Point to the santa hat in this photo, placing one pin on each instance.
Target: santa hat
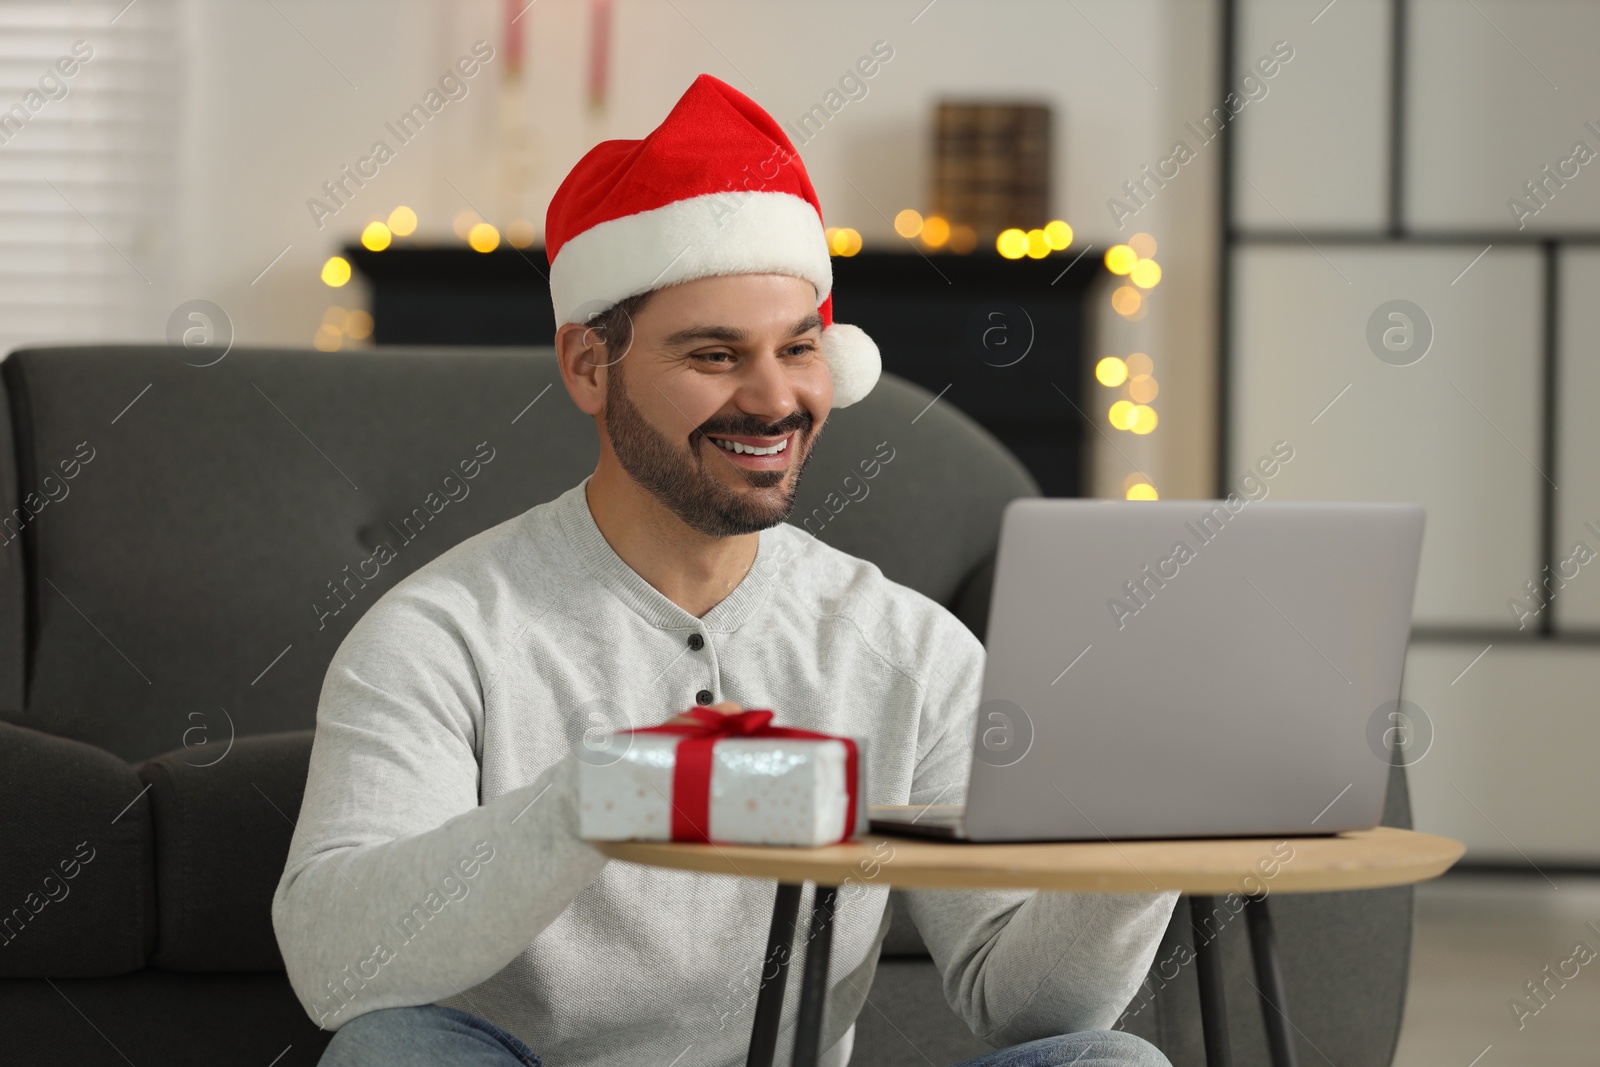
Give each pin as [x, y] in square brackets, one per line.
[717, 188]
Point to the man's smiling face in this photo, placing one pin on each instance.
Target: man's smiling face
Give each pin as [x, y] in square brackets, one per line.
[714, 362]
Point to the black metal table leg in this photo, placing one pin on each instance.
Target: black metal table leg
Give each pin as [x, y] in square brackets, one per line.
[1208, 973]
[1269, 983]
[769, 1000]
[814, 984]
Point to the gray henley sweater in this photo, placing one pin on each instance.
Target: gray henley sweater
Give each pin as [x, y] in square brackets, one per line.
[436, 859]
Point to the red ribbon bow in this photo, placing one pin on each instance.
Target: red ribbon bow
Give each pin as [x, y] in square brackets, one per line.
[691, 769]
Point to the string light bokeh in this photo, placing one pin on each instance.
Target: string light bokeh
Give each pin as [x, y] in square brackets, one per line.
[1132, 377]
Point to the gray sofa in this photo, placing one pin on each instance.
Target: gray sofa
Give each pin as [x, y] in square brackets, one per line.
[174, 579]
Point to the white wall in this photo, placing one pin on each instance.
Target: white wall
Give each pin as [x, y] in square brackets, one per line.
[1450, 431]
[280, 96]
[1498, 94]
[1511, 768]
[1493, 91]
[276, 99]
[1576, 603]
[1316, 151]
[276, 103]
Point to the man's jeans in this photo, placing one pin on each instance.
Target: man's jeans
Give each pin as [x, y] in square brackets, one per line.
[432, 1035]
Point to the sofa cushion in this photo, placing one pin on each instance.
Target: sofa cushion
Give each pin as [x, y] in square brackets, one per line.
[77, 883]
[158, 1018]
[223, 818]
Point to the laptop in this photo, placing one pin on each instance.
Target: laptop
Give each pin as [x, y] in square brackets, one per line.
[1170, 669]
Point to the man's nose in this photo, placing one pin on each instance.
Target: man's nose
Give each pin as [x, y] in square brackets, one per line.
[767, 389]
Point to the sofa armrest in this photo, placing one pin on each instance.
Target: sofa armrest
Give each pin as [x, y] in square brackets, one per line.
[222, 829]
[77, 882]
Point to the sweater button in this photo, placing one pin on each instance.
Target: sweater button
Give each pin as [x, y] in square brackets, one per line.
[696, 642]
[704, 697]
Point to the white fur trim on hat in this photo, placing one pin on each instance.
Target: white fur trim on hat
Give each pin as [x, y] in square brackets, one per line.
[853, 362]
[736, 232]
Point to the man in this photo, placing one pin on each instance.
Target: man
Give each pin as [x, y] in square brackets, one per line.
[437, 905]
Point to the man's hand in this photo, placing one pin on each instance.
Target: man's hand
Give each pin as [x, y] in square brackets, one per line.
[727, 707]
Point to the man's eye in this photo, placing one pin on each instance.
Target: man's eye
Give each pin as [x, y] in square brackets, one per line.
[803, 348]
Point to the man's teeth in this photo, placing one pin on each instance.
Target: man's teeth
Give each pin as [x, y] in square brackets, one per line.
[735, 446]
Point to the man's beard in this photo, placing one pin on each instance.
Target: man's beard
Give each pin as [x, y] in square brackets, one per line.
[684, 484]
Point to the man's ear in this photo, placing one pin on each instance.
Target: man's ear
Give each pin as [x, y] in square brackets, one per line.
[580, 354]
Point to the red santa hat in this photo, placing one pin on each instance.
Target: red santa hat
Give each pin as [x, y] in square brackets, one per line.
[717, 188]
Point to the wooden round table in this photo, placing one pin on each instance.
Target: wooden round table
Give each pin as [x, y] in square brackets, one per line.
[1199, 868]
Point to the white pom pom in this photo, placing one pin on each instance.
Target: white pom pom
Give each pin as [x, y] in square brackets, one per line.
[853, 362]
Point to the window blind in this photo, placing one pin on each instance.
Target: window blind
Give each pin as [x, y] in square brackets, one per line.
[89, 122]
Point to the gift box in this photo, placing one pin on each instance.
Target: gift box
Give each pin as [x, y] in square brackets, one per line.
[727, 779]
